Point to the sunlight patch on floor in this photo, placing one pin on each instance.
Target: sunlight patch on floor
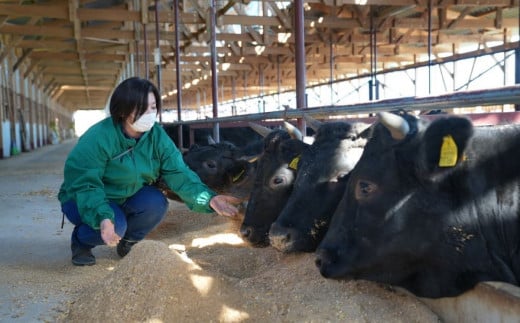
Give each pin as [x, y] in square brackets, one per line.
[221, 238]
[203, 284]
[229, 314]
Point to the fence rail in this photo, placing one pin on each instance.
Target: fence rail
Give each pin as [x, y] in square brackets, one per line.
[460, 99]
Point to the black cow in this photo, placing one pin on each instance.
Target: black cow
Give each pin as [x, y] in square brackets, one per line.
[275, 174]
[219, 165]
[431, 207]
[223, 167]
[319, 185]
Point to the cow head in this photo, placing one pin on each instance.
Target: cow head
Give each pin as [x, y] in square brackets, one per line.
[395, 200]
[216, 164]
[274, 177]
[221, 166]
[322, 173]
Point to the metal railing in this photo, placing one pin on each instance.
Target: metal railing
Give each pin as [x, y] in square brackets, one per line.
[461, 99]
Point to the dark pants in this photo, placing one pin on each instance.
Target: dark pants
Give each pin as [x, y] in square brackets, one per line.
[134, 219]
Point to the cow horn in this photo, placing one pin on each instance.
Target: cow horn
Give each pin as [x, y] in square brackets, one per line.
[293, 131]
[261, 130]
[313, 123]
[253, 159]
[250, 159]
[211, 141]
[397, 125]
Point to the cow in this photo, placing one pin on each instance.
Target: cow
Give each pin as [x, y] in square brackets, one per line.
[432, 207]
[219, 165]
[223, 167]
[226, 168]
[275, 173]
[323, 169]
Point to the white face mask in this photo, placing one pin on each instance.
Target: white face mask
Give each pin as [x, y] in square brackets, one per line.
[144, 123]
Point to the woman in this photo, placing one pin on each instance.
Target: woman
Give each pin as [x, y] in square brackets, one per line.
[107, 192]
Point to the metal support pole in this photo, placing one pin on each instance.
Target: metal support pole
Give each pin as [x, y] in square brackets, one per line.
[517, 61]
[331, 70]
[131, 65]
[278, 80]
[261, 84]
[157, 53]
[373, 83]
[234, 95]
[244, 76]
[214, 77]
[180, 142]
[517, 72]
[145, 40]
[430, 47]
[299, 36]
[138, 59]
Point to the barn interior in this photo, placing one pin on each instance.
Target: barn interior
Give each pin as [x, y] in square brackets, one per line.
[216, 59]
[220, 64]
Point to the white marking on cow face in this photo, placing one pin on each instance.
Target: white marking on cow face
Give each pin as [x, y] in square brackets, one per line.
[283, 177]
[352, 156]
[344, 161]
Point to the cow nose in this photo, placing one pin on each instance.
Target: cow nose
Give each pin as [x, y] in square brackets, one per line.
[246, 231]
[280, 237]
[324, 259]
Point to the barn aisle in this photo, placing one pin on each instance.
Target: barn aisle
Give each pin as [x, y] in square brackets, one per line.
[35, 273]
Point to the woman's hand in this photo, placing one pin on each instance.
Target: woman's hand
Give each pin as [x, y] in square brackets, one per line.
[225, 205]
[108, 234]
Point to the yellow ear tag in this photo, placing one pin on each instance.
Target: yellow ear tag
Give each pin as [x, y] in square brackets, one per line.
[237, 177]
[449, 152]
[294, 163]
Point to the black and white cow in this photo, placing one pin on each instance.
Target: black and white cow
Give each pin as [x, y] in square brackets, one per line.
[431, 206]
[322, 170]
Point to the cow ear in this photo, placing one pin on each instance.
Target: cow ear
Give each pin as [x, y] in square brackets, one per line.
[274, 138]
[444, 143]
[192, 148]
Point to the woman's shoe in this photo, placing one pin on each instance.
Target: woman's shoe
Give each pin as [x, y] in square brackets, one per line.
[124, 246]
[82, 256]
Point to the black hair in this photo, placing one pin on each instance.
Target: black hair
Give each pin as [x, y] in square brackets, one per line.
[130, 95]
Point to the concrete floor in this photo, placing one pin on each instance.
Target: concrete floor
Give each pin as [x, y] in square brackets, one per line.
[30, 234]
[36, 275]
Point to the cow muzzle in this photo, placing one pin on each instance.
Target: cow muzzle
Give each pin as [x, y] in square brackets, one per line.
[282, 238]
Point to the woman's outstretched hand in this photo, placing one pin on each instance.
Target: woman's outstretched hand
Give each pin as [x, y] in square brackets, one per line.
[225, 205]
[108, 233]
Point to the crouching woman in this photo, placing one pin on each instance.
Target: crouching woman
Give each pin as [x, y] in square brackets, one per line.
[107, 192]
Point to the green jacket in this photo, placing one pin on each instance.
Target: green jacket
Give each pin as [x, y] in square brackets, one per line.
[105, 165]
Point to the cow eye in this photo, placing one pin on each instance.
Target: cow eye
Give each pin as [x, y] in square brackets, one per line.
[365, 189]
[210, 164]
[278, 180]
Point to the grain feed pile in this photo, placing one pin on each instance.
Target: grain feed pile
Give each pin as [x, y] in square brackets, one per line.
[153, 282]
[185, 271]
